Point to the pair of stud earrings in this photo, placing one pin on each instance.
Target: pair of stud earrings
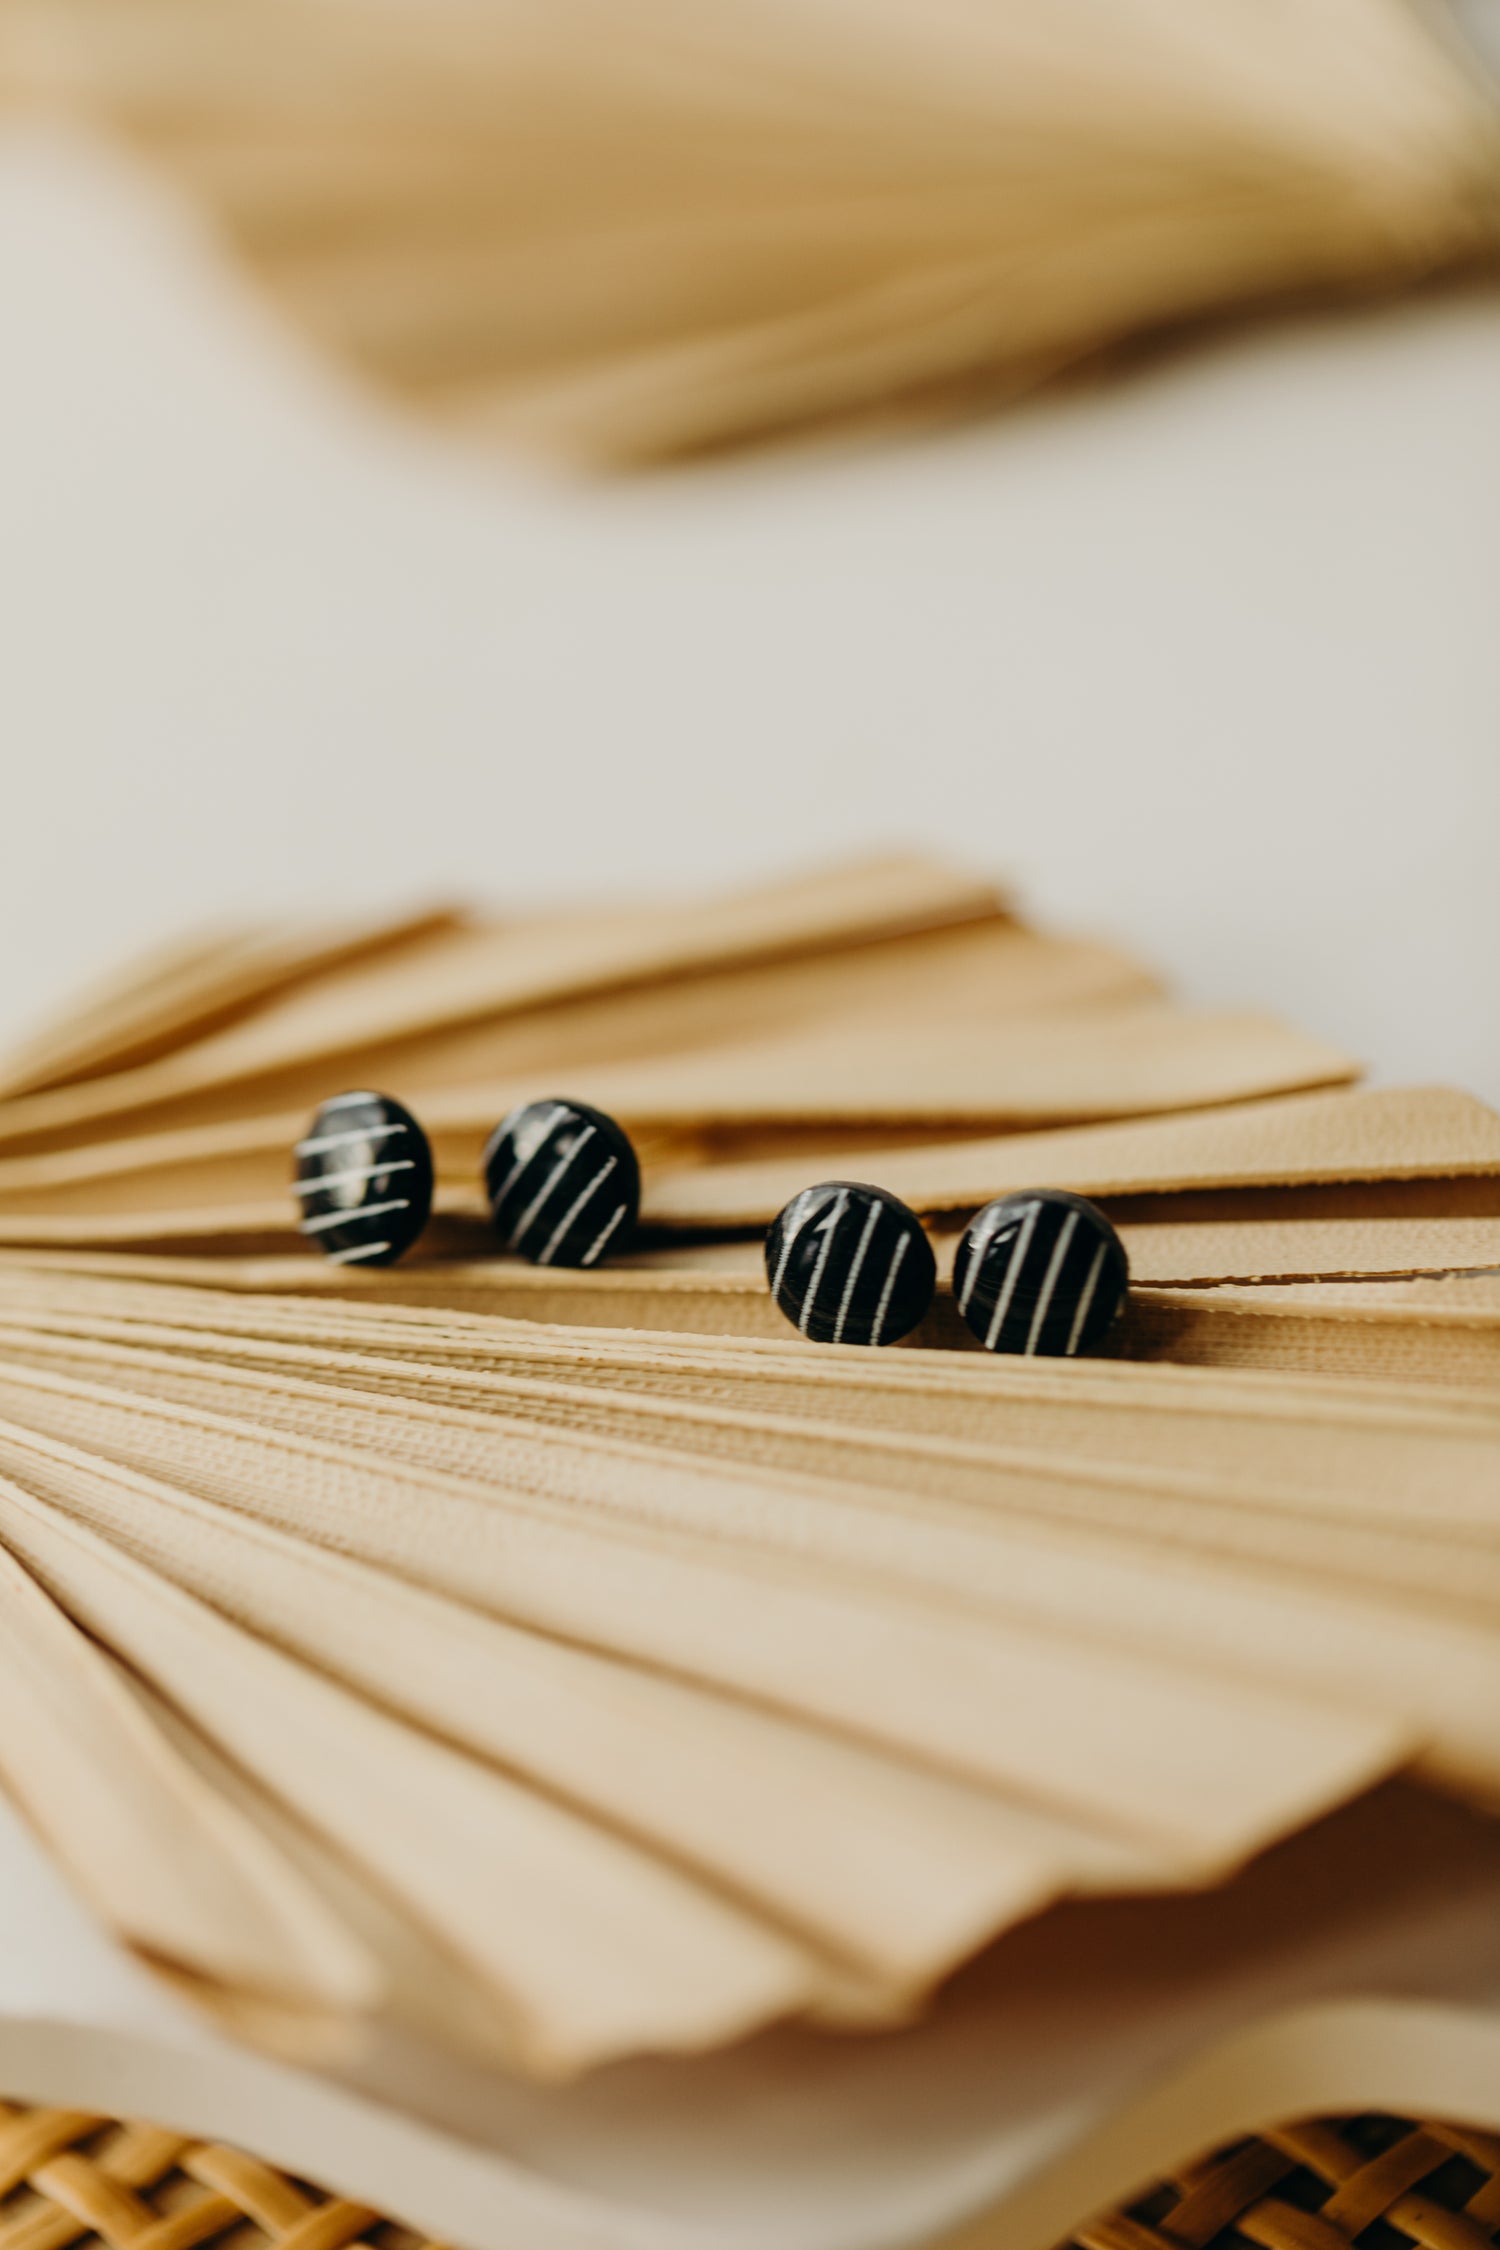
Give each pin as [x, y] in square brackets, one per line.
[1041, 1273]
[562, 1180]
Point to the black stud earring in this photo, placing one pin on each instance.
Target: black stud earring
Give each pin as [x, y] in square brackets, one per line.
[363, 1180]
[563, 1182]
[850, 1264]
[1042, 1273]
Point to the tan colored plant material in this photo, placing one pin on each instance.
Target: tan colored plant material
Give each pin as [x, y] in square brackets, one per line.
[555, 1667]
[633, 233]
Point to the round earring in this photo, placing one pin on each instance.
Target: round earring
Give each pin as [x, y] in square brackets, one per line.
[563, 1182]
[1042, 1273]
[850, 1264]
[363, 1180]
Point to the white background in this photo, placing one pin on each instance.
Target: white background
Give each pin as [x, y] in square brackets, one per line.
[1206, 660]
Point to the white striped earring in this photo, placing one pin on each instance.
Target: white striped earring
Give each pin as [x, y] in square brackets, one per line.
[850, 1264]
[563, 1182]
[1042, 1273]
[363, 1180]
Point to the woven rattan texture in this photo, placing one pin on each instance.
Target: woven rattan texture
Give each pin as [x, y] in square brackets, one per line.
[1383, 2182]
[1386, 2183]
[68, 2178]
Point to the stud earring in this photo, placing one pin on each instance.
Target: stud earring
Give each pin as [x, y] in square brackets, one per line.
[1042, 1273]
[563, 1182]
[363, 1180]
[849, 1264]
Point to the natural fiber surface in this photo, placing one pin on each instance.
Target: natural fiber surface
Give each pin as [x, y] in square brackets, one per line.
[1321, 2186]
[763, 1683]
[633, 232]
[67, 2177]
[70, 2178]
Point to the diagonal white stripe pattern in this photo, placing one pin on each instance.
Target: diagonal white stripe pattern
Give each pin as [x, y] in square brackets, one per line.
[322, 1141]
[353, 1172]
[563, 1165]
[884, 1306]
[791, 1224]
[559, 1109]
[1065, 1235]
[835, 1221]
[544, 1256]
[872, 1221]
[1012, 1275]
[326, 1219]
[1084, 1302]
[978, 1244]
[597, 1246]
